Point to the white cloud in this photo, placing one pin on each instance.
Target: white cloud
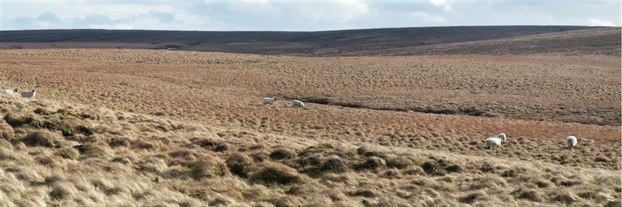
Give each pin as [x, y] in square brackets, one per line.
[445, 4]
[598, 22]
[427, 17]
[341, 11]
[299, 15]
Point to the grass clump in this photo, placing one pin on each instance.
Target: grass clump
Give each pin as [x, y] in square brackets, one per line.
[565, 197]
[275, 173]
[208, 168]
[472, 197]
[6, 131]
[69, 153]
[321, 149]
[334, 164]
[43, 138]
[372, 163]
[240, 164]
[17, 120]
[57, 125]
[86, 130]
[528, 194]
[282, 153]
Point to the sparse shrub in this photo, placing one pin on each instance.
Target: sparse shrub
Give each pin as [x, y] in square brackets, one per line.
[433, 168]
[6, 131]
[43, 138]
[17, 120]
[472, 197]
[414, 170]
[509, 173]
[210, 144]
[392, 173]
[594, 195]
[367, 193]
[96, 149]
[528, 194]
[142, 144]
[57, 125]
[282, 153]
[372, 163]
[42, 111]
[240, 164]
[259, 157]
[185, 154]
[440, 167]
[453, 168]
[208, 168]
[565, 197]
[50, 161]
[287, 201]
[334, 164]
[569, 183]
[86, 130]
[311, 160]
[487, 168]
[119, 142]
[301, 189]
[399, 162]
[364, 151]
[60, 191]
[122, 160]
[543, 183]
[69, 153]
[274, 173]
[221, 147]
[613, 204]
[152, 164]
[602, 159]
[489, 181]
[321, 149]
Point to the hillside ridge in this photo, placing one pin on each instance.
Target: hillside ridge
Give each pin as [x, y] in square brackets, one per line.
[320, 43]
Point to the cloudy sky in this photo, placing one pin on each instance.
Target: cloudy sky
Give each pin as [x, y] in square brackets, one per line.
[299, 15]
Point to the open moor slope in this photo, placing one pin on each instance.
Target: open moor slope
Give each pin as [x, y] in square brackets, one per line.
[384, 41]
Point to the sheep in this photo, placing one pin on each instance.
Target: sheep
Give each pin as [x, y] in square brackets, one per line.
[298, 103]
[28, 94]
[571, 141]
[268, 100]
[11, 92]
[493, 142]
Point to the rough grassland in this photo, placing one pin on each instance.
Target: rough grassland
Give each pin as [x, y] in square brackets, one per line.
[150, 128]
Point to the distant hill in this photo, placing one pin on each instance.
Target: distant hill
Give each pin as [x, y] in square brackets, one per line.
[389, 41]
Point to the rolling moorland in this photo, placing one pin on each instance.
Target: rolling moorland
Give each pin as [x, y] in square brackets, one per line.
[115, 123]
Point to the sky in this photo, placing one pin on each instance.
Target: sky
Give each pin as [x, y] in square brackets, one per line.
[300, 15]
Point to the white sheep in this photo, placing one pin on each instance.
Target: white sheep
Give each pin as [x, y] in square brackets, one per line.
[298, 103]
[28, 94]
[571, 141]
[11, 92]
[268, 100]
[493, 142]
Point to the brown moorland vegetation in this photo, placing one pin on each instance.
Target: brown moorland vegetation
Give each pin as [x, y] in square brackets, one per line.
[150, 128]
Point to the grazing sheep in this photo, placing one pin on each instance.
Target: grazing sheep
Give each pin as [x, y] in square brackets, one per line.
[493, 142]
[11, 92]
[502, 136]
[571, 141]
[28, 94]
[298, 103]
[268, 100]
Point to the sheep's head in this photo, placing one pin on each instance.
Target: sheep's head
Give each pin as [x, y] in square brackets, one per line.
[15, 90]
[502, 137]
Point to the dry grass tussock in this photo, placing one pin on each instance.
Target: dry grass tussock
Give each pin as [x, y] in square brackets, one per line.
[98, 156]
[174, 128]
